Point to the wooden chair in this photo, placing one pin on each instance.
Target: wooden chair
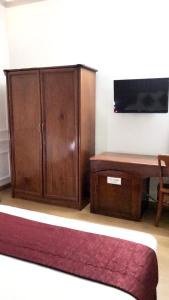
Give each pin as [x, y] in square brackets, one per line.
[163, 187]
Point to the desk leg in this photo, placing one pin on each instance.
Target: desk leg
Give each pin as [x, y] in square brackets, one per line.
[145, 200]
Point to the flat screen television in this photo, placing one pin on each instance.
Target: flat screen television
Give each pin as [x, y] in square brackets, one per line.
[141, 95]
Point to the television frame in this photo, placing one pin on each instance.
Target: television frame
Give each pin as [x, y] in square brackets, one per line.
[130, 95]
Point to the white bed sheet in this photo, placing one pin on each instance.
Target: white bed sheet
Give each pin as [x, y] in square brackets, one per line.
[21, 280]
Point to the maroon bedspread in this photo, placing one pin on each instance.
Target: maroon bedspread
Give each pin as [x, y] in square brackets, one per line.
[123, 264]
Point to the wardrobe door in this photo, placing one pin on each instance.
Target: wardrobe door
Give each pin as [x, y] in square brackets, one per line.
[59, 94]
[25, 130]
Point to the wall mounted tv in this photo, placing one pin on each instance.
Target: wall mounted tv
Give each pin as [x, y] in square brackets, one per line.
[141, 95]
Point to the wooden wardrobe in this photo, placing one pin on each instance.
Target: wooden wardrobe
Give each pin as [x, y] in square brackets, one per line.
[52, 133]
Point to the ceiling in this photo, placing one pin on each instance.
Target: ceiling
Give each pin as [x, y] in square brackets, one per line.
[9, 3]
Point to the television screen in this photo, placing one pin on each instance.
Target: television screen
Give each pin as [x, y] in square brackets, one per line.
[141, 95]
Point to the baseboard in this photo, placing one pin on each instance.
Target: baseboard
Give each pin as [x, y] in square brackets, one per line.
[5, 186]
[4, 158]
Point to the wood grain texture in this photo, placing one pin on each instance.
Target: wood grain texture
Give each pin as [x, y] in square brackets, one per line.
[87, 129]
[26, 144]
[163, 187]
[59, 94]
[122, 201]
[78, 66]
[128, 199]
[52, 118]
[127, 158]
[140, 165]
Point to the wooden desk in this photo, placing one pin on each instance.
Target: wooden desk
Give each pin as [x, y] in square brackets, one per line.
[125, 200]
[143, 165]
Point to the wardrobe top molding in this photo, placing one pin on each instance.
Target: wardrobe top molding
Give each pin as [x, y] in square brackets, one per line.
[78, 66]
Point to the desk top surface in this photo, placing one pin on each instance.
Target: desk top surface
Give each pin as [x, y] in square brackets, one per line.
[126, 158]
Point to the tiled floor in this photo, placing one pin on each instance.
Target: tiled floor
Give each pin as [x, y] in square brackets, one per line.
[146, 225]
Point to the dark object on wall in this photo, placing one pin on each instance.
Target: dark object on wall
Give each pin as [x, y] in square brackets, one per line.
[141, 95]
[52, 130]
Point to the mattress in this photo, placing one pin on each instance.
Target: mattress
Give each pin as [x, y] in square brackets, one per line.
[23, 280]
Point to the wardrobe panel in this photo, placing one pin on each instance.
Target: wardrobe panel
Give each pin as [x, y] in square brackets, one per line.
[25, 129]
[51, 119]
[59, 94]
[87, 129]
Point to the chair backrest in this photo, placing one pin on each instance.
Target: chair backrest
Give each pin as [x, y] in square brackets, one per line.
[163, 162]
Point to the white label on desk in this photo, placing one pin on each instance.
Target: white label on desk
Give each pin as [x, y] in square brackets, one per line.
[114, 180]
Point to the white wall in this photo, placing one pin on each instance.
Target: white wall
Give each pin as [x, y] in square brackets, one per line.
[122, 38]
[4, 139]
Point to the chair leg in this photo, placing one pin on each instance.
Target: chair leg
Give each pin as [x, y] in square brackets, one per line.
[159, 209]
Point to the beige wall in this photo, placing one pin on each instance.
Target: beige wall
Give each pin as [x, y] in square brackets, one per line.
[123, 39]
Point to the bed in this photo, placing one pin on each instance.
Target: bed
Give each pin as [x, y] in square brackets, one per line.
[24, 280]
